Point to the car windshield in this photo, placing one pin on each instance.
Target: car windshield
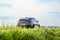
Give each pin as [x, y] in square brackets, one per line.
[31, 18]
[26, 19]
[23, 20]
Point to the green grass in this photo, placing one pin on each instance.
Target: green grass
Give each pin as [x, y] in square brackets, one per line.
[29, 34]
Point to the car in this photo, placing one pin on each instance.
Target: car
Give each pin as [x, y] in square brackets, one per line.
[29, 22]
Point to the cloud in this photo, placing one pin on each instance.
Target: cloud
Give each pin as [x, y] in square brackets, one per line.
[6, 17]
[5, 5]
[30, 8]
[26, 7]
[22, 8]
[45, 10]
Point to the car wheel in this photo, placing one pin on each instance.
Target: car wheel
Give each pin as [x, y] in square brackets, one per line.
[31, 26]
[36, 26]
[27, 26]
[22, 26]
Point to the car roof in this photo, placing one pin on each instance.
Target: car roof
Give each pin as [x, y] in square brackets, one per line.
[27, 18]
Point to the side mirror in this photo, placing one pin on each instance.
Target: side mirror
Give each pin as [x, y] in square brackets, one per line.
[37, 21]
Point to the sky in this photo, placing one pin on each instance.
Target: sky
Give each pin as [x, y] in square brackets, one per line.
[46, 11]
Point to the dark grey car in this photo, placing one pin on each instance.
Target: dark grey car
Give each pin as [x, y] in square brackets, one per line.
[28, 22]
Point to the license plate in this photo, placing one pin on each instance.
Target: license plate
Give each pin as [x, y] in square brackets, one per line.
[22, 24]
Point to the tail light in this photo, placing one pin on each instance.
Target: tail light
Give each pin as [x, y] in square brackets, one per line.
[29, 20]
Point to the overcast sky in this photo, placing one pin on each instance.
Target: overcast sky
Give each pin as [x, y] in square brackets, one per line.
[46, 11]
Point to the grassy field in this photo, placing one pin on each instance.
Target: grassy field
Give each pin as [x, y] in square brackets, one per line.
[29, 34]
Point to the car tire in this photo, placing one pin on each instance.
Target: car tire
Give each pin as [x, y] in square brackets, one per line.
[31, 26]
[36, 26]
[27, 26]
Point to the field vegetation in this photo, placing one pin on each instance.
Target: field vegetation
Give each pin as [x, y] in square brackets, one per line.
[19, 33]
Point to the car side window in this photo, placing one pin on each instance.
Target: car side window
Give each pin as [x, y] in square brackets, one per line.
[34, 19]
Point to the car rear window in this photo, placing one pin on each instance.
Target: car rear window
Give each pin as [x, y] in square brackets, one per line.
[23, 20]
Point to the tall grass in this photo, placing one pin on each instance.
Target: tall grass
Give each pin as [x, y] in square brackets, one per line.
[29, 34]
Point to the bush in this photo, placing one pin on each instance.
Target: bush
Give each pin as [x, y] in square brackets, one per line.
[29, 34]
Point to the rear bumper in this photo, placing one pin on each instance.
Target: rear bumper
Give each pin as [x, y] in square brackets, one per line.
[23, 25]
